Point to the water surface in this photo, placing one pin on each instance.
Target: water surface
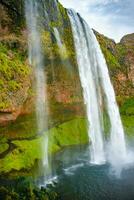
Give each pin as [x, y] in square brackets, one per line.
[77, 179]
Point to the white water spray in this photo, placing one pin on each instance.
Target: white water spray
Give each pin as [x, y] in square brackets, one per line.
[95, 79]
[36, 60]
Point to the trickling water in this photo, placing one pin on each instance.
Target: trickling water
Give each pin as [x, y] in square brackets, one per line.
[36, 60]
[95, 80]
[62, 48]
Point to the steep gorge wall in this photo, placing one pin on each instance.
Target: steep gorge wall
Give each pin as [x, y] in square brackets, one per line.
[120, 60]
[18, 136]
[63, 84]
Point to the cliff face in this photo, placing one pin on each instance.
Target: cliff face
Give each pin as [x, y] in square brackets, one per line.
[64, 89]
[63, 84]
[120, 60]
[128, 42]
[15, 74]
[18, 129]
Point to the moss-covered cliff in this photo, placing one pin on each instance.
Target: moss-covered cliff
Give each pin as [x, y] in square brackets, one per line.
[66, 107]
[63, 83]
[120, 60]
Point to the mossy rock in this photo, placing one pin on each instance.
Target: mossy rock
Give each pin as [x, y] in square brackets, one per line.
[3, 144]
[127, 108]
[26, 152]
[128, 122]
[3, 147]
[69, 133]
[14, 77]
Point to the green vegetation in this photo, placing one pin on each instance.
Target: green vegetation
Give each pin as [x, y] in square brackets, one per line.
[23, 188]
[3, 147]
[128, 107]
[24, 127]
[69, 133]
[15, 10]
[128, 122]
[119, 58]
[109, 51]
[3, 144]
[28, 151]
[127, 114]
[23, 156]
[13, 72]
[112, 60]
[73, 132]
[64, 89]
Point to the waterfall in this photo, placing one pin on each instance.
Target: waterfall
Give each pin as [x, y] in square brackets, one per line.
[37, 62]
[62, 48]
[89, 80]
[97, 90]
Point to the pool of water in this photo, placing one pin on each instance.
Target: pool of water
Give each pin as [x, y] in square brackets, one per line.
[77, 179]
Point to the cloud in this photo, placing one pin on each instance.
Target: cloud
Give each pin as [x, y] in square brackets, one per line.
[113, 18]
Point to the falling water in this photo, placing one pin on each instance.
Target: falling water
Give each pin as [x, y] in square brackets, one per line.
[62, 48]
[89, 80]
[95, 80]
[36, 60]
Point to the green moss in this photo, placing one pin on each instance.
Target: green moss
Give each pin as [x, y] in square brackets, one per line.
[24, 127]
[3, 147]
[3, 144]
[128, 122]
[13, 85]
[22, 157]
[127, 108]
[127, 115]
[1, 84]
[121, 50]
[111, 59]
[3, 139]
[28, 151]
[4, 105]
[69, 133]
[13, 74]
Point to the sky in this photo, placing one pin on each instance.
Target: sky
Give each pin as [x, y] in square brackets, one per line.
[113, 18]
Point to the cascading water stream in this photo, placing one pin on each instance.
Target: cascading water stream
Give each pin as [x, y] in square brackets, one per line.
[62, 49]
[95, 80]
[36, 61]
[57, 35]
[89, 80]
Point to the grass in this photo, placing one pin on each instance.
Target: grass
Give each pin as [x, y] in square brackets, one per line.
[28, 151]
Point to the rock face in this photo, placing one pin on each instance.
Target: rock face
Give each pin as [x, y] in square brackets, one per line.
[120, 60]
[63, 84]
[15, 73]
[67, 123]
[128, 42]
